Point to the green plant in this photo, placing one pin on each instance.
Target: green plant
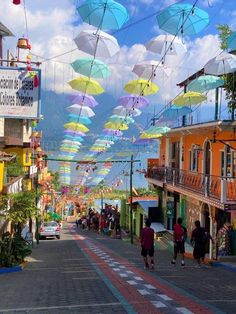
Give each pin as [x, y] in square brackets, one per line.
[14, 168]
[13, 250]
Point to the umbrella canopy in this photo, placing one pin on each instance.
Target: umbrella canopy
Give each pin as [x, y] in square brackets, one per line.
[184, 18]
[69, 149]
[74, 133]
[112, 132]
[104, 142]
[231, 41]
[189, 98]
[150, 136]
[76, 127]
[55, 216]
[166, 45]
[121, 119]
[205, 83]
[141, 141]
[81, 110]
[157, 130]
[79, 118]
[100, 44]
[83, 99]
[133, 101]
[175, 112]
[116, 126]
[71, 142]
[91, 67]
[221, 64]
[141, 87]
[104, 14]
[151, 69]
[73, 138]
[86, 85]
[122, 111]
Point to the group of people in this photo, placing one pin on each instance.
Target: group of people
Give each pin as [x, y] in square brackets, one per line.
[107, 220]
[199, 239]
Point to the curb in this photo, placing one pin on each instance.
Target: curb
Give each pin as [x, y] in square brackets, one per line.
[14, 269]
[229, 267]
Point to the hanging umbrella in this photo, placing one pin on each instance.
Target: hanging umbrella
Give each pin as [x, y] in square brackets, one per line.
[121, 111]
[183, 18]
[81, 110]
[104, 142]
[205, 83]
[141, 141]
[189, 98]
[78, 118]
[55, 216]
[83, 99]
[76, 127]
[141, 87]
[74, 133]
[150, 136]
[121, 119]
[112, 132]
[104, 14]
[151, 69]
[166, 45]
[73, 138]
[231, 41]
[221, 64]
[116, 126]
[101, 44]
[69, 149]
[68, 142]
[91, 67]
[175, 112]
[157, 130]
[133, 101]
[86, 85]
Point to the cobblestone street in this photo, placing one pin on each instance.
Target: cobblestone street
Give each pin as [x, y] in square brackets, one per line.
[88, 273]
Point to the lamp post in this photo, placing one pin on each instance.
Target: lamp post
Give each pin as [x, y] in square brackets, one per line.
[131, 199]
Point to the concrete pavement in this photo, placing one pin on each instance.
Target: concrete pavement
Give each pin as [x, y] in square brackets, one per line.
[88, 273]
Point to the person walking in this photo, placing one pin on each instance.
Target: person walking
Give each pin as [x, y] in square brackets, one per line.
[199, 239]
[179, 237]
[147, 245]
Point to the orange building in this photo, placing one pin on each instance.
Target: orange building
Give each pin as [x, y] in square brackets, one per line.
[196, 174]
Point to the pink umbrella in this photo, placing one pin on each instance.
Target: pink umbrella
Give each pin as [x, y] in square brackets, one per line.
[75, 133]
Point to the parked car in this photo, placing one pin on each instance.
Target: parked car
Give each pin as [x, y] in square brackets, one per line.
[50, 229]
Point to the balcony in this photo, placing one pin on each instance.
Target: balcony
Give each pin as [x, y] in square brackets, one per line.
[10, 141]
[218, 191]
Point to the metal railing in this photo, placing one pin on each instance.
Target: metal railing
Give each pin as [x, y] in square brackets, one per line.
[219, 188]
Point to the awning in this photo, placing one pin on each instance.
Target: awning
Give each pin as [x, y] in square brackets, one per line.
[146, 204]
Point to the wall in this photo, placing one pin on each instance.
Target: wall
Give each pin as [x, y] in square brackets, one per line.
[1, 175]
[22, 153]
[192, 213]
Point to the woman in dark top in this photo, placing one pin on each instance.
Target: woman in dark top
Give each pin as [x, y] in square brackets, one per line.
[199, 240]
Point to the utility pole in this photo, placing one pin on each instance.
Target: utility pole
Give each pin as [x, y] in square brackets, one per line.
[36, 220]
[131, 199]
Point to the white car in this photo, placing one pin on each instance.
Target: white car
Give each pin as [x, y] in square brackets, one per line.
[50, 229]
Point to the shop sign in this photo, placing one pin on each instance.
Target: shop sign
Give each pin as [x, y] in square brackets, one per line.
[19, 98]
[33, 170]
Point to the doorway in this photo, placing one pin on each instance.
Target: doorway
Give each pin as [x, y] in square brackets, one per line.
[207, 159]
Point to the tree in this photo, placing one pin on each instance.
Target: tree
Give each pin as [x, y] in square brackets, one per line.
[56, 180]
[230, 79]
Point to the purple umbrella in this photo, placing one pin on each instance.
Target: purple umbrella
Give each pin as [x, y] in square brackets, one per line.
[75, 133]
[133, 101]
[141, 141]
[84, 99]
[112, 132]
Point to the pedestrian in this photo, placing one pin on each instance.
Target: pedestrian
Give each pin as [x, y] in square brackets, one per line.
[77, 223]
[147, 244]
[179, 237]
[199, 240]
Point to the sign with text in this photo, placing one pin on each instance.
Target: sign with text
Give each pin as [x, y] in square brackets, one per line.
[19, 98]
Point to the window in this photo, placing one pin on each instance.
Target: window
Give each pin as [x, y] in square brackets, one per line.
[194, 159]
[227, 162]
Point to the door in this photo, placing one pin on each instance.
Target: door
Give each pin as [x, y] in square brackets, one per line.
[175, 155]
[207, 159]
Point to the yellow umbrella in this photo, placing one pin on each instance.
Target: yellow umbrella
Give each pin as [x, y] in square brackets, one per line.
[116, 126]
[149, 136]
[189, 98]
[141, 87]
[69, 150]
[76, 127]
[86, 85]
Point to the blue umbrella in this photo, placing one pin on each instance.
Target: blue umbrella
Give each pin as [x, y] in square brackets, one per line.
[79, 119]
[184, 18]
[91, 67]
[205, 83]
[231, 41]
[174, 112]
[75, 138]
[104, 14]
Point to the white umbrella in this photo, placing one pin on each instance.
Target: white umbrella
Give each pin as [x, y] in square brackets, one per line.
[166, 45]
[97, 44]
[151, 69]
[122, 111]
[104, 142]
[81, 110]
[68, 142]
[221, 64]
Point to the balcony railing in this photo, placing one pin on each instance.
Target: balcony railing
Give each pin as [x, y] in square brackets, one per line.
[222, 189]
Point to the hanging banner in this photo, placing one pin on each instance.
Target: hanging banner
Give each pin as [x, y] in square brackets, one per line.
[19, 95]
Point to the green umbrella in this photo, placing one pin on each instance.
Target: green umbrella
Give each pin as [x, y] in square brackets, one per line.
[91, 67]
[55, 216]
